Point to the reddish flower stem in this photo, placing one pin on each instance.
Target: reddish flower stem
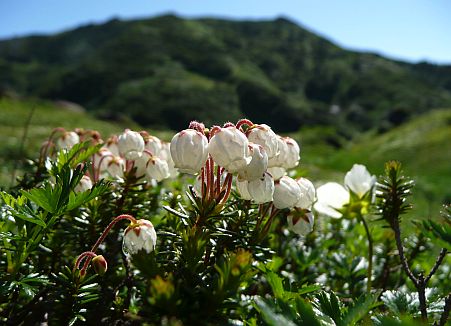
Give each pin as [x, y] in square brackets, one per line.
[212, 177]
[81, 257]
[103, 236]
[242, 122]
[213, 131]
[218, 180]
[202, 189]
[228, 187]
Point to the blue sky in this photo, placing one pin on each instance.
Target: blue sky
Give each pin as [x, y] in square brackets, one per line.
[410, 30]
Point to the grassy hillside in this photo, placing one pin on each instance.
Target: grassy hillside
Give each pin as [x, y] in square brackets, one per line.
[44, 116]
[422, 145]
[166, 71]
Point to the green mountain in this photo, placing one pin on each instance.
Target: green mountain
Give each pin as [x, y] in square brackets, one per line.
[165, 71]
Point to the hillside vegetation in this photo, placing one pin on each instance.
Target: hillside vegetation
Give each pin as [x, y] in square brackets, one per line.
[165, 71]
[422, 145]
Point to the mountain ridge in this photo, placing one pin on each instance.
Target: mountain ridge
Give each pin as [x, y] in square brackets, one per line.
[166, 71]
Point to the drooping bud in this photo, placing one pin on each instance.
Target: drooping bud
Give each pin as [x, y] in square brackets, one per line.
[153, 144]
[165, 154]
[84, 184]
[307, 194]
[67, 140]
[111, 145]
[138, 236]
[264, 136]
[261, 190]
[291, 158]
[286, 193]
[258, 164]
[241, 186]
[302, 224]
[189, 151]
[359, 180]
[100, 265]
[229, 149]
[115, 167]
[157, 168]
[276, 172]
[130, 144]
[278, 160]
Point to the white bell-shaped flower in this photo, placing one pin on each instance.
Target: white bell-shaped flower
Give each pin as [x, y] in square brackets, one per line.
[138, 236]
[287, 193]
[241, 187]
[84, 184]
[229, 149]
[115, 167]
[291, 158]
[67, 140]
[153, 144]
[279, 159]
[307, 194]
[111, 145]
[141, 165]
[130, 144]
[261, 190]
[189, 151]
[277, 172]
[165, 154]
[258, 164]
[330, 197]
[302, 225]
[157, 168]
[101, 158]
[264, 136]
[359, 180]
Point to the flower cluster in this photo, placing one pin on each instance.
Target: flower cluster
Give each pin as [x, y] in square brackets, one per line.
[144, 155]
[254, 154]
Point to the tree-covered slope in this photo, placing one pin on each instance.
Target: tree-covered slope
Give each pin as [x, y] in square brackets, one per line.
[166, 71]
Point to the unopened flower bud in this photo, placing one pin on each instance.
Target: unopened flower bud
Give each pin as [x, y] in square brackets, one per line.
[282, 150]
[138, 236]
[286, 193]
[241, 186]
[261, 189]
[157, 168]
[165, 154]
[100, 265]
[291, 158]
[111, 145]
[307, 194]
[301, 225]
[84, 184]
[153, 144]
[130, 144]
[264, 136]
[67, 140]
[229, 149]
[258, 164]
[276, 172]
[189, 151]
[115, 167]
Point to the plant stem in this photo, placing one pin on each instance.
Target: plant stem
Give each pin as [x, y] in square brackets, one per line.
[446, 309]
[420, 282]
[370, 252]
[438, 262]
[103, 236]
